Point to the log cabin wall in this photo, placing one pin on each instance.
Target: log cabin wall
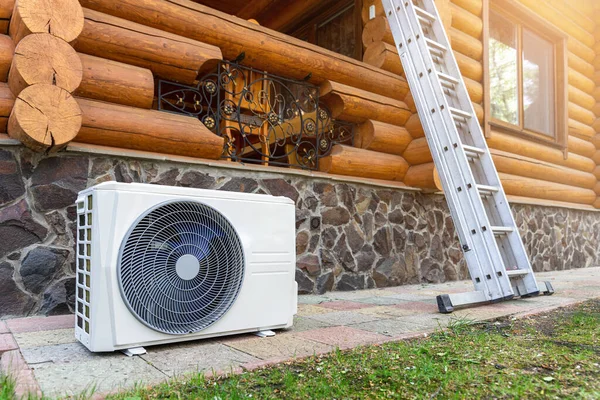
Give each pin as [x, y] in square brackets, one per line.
[596, 125]
[95, 89]
[527, 168]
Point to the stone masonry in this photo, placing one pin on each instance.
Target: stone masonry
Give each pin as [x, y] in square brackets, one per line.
[349, 235]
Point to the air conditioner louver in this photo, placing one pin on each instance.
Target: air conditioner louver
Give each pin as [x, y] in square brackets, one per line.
[180, 267]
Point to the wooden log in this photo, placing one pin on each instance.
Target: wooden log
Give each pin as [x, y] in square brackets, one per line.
[596, 125]
[6, 10]
[580, 81]
[382, 137]
[417, 152]
[414, 127]
[469, 68]
[45, 118]
[581, 98]
[597, 172]
[472, 6]
[575, 13]
[254, 8]
[580, 65]
[597, 203]
[539, 189]
[465, 44]
[581, 114]
[410, 102]
[596, 94]
[571, 28]
[116, 82]
[597, 189]
[506, 142]
[475, 90]
[148, 130]
[518, 165]
[377, 30]
[596, 110]
[61, 18]
[580, 129]
[264, 49]
[168, 56]
[596, 157]
[284, 15]
[581, 50]
[596, 140]
[356, 105]
[423, 176]
[346, 160]
[384, 56]
[466, 22]
[42, 58]
[580, 146]
[7, 50]
[7, 102]
[366, 4]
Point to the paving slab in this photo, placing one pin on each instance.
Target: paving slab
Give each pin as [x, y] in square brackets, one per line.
[344, 305]
[45, 338]
[12, 364]
[3, 327]
[305, 310]
[279, 346]
[36, 324]
[305, 324]
[312, 299]
[192, 357]
[342, 336]
[7, 343]
[390, 327]
[344, 318]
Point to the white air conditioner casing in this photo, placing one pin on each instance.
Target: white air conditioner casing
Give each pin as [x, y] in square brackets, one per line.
[266, 292]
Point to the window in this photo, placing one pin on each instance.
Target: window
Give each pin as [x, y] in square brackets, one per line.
[525, 74]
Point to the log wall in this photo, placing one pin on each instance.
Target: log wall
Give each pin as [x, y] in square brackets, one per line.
[464, 25]
[596, 107]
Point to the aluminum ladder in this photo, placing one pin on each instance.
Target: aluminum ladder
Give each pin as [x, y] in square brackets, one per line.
[491, 244]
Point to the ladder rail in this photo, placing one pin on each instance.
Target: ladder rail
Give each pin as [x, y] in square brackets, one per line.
[488, 167]
[494, 286]
[466, 203]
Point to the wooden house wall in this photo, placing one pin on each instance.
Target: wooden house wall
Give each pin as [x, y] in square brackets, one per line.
[123, 47]
[527, 168]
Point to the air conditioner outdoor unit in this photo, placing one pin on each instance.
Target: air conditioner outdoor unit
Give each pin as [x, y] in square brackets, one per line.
[160, 264]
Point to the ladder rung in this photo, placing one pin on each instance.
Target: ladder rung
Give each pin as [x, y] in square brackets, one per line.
[433, 45]
[473, 151]
[459, 113]
[447, 79]
[501, 230]
[516, 272]
[486, 190]
[424, 14]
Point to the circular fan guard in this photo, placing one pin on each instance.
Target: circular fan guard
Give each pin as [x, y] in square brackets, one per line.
[180, 267]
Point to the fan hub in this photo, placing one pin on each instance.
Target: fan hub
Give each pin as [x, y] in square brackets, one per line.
[187, 267]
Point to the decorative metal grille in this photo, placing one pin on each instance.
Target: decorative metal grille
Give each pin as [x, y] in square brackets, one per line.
[265, 119]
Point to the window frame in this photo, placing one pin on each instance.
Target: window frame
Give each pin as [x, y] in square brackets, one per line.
[524, 17]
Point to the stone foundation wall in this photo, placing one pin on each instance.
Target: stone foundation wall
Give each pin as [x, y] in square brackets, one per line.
[349, 236]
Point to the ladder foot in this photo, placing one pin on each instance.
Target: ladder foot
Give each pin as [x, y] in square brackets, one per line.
[532, 294]
[444, 304]
[549, 289]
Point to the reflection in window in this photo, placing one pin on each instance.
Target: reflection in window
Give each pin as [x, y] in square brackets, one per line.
[538, 88]
[503, 69]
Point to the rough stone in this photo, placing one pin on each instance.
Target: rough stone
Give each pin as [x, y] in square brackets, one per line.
[325, 283]
[57, 180]
[355, 239]
[365, 258]
[244, 185]
[396, 217]
[11, 183]
[13, 301]
[167, 178]
[327, 193]
[335, 216]
[301, 242]
[350, 282]
[18, 229]
[310, 264]
[305, 284]
[279, 187]
[40, 265]
[382, 242]
[389, 272]
[197, 180]
[59, 298]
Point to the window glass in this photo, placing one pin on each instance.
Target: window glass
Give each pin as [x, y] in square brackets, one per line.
[503, 69]
[538, 84]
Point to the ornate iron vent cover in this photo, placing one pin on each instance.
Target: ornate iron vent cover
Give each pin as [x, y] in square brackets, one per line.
[180, 267]
[265, 119]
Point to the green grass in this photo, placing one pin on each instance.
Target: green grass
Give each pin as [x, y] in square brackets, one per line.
[555, 355]
[7, 387]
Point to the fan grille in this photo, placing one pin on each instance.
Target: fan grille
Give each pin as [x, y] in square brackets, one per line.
[181, 267]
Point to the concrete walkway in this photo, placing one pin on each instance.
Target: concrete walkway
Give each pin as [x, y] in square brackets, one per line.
[43, 355]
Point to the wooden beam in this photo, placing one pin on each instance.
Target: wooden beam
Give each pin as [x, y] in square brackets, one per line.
[254, 8]
[264, 49]
[346, 160]
[580, 146]
[7, 50]
[149, 130]
[381, 137]
[383, 55]
[61, 18]
[417, 152]
[7, 102]
[539, 189]
[6, 10]
[423, 176]
[167, 55]
[45, 118]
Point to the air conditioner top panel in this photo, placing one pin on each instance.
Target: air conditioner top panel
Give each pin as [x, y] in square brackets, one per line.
[182, 191]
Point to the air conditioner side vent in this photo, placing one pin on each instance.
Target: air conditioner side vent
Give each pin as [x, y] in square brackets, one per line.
[84, 263]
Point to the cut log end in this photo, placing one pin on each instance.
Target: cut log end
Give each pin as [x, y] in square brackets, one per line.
[44, 59]
[60, 18]
[45, 118]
